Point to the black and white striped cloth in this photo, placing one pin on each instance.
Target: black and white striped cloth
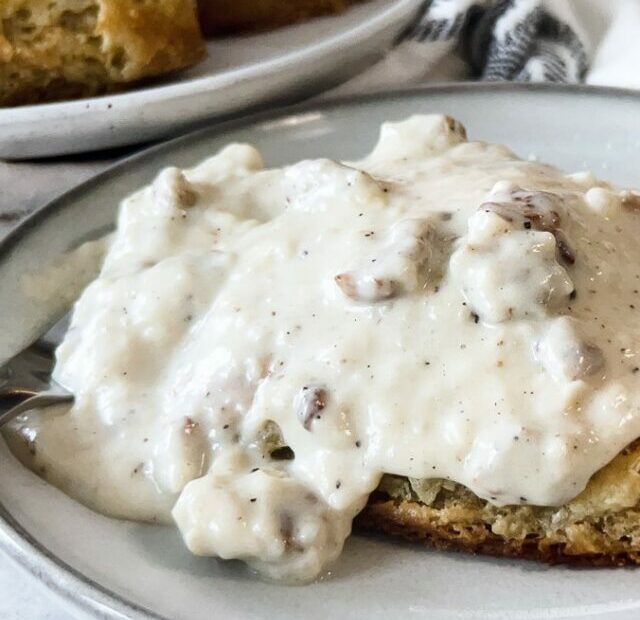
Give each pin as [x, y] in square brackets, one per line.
[520, 40]
[504, 39]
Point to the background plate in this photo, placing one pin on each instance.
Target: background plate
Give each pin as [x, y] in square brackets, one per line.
[123, 570]
[241, 73]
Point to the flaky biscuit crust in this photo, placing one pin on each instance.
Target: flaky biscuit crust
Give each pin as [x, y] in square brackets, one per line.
[59, 49]
[600, 527]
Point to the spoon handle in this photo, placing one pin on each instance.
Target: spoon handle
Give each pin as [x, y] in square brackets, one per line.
[14, 401]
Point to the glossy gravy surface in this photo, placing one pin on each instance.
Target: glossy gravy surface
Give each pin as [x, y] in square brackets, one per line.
[262, 345]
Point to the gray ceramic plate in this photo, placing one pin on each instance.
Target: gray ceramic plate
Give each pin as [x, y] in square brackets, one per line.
[240, 73]
[125, 570]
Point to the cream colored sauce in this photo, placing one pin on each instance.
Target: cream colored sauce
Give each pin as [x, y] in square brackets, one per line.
[52, 290]
[438, 309]
[61, 283]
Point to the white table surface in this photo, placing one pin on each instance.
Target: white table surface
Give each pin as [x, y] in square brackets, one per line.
[22, 599]
[23, 187]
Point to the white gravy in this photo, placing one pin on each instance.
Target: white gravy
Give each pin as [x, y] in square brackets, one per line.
[440, 309]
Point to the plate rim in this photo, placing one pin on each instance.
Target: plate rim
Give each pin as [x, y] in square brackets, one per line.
[206, 83]
[67, 583]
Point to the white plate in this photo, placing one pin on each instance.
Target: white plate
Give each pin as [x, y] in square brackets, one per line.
[116, 569]
[241, 73]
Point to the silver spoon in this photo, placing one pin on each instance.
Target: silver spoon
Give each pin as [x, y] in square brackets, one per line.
[25, 380]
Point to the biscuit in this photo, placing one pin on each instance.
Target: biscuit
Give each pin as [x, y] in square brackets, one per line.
[61, 49]
[600, 527]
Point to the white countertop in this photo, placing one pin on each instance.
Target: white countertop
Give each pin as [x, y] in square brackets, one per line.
[21, 598]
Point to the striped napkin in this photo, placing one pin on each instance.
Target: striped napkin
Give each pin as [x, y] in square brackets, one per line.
[567, 41]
